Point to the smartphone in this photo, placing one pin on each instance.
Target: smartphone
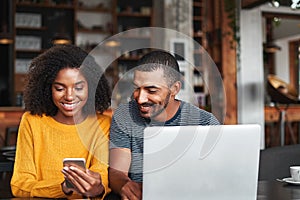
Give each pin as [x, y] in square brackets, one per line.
[78, 162]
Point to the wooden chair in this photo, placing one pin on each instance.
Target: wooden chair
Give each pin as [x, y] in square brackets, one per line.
[11, 134]
[8, 151]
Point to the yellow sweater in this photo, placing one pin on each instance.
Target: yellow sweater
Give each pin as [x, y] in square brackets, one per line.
[42, 145]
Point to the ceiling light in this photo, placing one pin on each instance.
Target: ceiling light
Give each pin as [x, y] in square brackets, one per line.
[112, 43]
[270, 47]
[6, 38]
[61, 38]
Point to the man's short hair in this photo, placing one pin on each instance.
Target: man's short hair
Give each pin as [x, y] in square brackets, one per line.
[159, 59]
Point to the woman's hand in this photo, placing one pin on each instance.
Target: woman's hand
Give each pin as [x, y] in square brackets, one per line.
[87, 183]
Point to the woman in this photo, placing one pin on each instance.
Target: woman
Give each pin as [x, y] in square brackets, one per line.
[65, 96]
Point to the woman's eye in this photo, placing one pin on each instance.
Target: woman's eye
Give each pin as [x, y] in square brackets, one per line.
[59, 89]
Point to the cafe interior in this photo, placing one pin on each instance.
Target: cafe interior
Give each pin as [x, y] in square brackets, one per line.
[253, 46]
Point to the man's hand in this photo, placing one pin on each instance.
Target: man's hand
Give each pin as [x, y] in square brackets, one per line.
[119, 180]
[131, 191]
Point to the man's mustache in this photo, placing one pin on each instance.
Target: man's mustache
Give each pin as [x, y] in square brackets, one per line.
[146, 104]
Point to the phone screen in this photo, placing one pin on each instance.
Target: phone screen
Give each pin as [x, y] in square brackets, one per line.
[77, 162]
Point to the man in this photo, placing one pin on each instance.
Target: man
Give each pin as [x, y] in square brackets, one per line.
[156, 83]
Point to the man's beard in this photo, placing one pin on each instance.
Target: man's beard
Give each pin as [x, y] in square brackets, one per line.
[166, 102]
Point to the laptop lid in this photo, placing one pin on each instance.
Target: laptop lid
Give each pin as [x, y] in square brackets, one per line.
[201, 162]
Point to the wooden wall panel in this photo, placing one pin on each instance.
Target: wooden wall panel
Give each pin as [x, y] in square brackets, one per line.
[229, 69]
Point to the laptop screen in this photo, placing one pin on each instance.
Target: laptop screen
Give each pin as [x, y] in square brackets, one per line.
[201, 162]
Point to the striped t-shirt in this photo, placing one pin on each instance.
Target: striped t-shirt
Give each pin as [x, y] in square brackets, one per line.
[128, 126]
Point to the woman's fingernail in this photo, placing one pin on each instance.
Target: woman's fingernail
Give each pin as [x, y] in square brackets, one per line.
[66, 168]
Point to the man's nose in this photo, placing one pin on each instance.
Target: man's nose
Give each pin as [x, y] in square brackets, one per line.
[142, 97]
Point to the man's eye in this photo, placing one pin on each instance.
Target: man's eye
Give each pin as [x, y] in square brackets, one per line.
[79, 88]
[152, 91]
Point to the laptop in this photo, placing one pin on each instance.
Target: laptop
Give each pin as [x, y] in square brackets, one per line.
[201, 162]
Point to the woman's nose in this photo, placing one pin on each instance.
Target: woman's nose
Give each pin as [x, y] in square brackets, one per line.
[70, 94]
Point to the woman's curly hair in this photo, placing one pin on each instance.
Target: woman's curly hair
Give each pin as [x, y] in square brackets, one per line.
[44, 69]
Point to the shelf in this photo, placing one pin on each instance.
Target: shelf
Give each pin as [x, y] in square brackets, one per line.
[29, 51]
[93, 31]
[31, 28]
[128, 14]
[96, 10]
[93, 22]
[44, 5]
[135, 37]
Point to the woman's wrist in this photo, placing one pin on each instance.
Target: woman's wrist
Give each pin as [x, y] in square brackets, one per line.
[103, 191]
[66, 190]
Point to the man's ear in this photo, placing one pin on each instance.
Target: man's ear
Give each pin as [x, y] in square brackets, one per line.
[176, 87]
